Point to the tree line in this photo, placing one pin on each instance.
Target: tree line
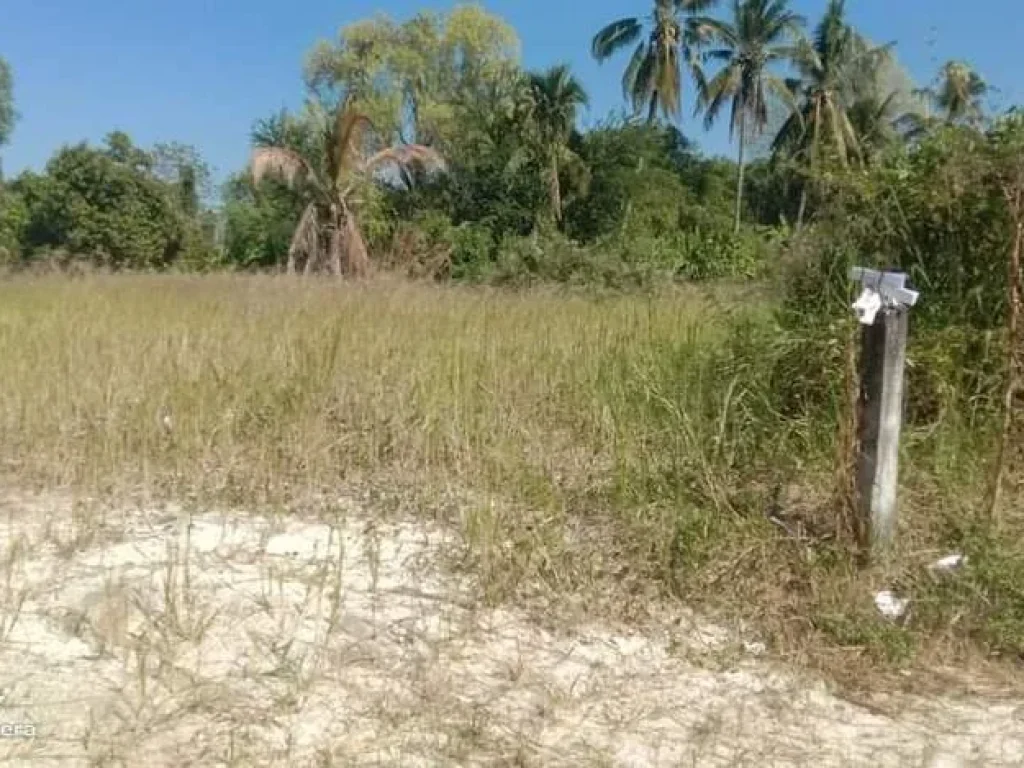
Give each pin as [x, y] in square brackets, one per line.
[424, 146]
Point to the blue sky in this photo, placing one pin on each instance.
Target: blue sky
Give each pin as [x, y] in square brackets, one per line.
[200, 71]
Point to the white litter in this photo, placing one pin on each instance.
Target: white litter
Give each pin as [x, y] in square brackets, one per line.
[867, 306]
[948, 563]
[890, 606]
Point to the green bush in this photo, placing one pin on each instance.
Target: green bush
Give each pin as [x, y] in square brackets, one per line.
[94, 203]
[13, 216]
[937, 212]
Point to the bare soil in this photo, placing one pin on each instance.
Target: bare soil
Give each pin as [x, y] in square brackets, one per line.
[163, 637]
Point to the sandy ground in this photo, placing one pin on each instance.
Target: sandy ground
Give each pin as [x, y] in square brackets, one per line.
[165, 638]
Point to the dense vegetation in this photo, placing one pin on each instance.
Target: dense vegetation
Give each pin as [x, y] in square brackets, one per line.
[425, 149]
[522, 192]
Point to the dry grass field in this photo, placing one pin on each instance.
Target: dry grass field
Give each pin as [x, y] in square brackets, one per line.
[261, 521]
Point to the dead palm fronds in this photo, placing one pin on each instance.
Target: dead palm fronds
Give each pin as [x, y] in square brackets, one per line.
[328, 235]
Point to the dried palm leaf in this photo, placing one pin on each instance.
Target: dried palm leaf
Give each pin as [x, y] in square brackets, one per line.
[405, 155]
[281, 163]
[350, 127]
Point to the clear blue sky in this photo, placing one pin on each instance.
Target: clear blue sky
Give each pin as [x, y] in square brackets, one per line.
[200, 71]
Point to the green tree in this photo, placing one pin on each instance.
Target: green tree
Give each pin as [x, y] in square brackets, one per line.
[832, 69]
[958, 93]
[12, 221]
[654, 75]
[758, 36]
[7, 113]
[329, 177]
[121, 149]
[555, 97]
[259, 221]
[496, 178]
[408, 77]
[637, 181]
[877, 124]
[182, 167]
[104, 204]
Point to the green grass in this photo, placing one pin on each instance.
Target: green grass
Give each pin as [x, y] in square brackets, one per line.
[609, 452]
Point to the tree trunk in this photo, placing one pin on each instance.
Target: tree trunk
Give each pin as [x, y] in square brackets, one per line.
[812, 164]
[803, 206]
[334, 251]
[739, 176]
[356, 256]
[555, 190]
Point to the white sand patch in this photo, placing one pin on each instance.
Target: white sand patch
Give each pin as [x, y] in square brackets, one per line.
[276, 642]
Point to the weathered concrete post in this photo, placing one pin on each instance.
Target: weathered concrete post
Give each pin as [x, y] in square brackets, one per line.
[883, 310]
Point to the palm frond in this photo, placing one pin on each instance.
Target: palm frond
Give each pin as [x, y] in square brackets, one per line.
[629, 77]
[790, 135]
[780, 87]
[614, 37]
[282, 163]
[717, 54]
[844, 139]
[695, 6]
[807, 59]
[723, 86]
[831, 29]
[720, 32]
[405, 155]
[644, 88]
[350, 126]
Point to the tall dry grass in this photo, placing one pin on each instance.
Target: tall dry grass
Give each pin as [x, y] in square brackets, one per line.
[607, 453]
[253, 384]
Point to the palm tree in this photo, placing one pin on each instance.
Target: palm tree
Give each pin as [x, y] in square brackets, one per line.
[832, 68]
[554, 97]
[653, 77]
[327, 169]
[879, 124]
[758, 36]
[959, 93]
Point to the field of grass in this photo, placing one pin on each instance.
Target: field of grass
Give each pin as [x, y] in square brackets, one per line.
[598, 456]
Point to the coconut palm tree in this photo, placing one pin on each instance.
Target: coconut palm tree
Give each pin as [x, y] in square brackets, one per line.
[328, 169]
[959, 93]
[759, 35]
[554, 97]
[834, 68]
[879, 124]
[653, 77]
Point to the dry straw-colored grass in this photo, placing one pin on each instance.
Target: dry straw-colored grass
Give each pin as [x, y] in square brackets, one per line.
[253, 385]
[601, 459]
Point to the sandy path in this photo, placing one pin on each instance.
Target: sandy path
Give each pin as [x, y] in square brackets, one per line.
[119, 650]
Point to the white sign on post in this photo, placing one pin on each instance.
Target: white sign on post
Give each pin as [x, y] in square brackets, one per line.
[880, 289]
